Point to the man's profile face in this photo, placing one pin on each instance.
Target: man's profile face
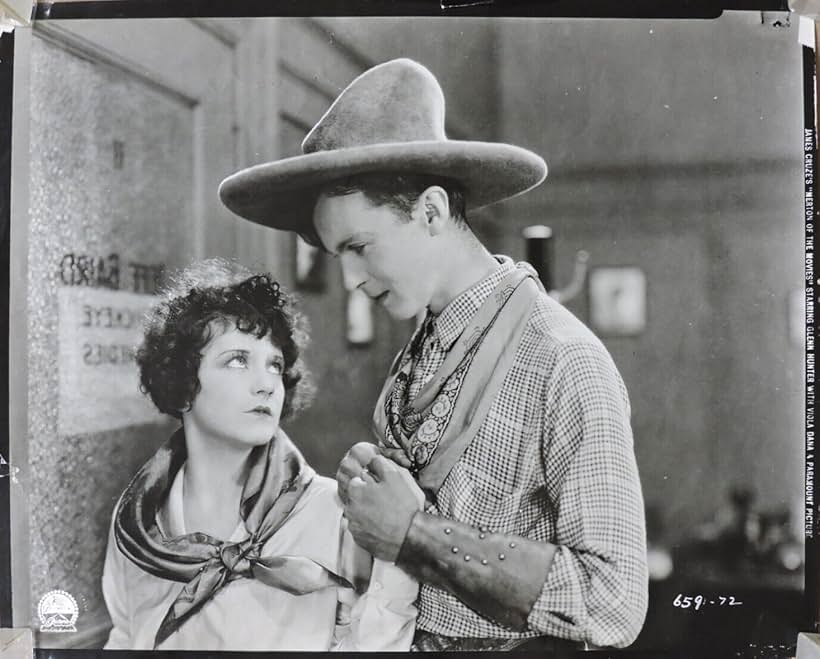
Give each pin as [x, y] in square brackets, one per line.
[381, 251]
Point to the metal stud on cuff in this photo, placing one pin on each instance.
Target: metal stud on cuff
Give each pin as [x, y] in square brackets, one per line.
[482, 535]
[512, 545]
[454, 550]
[448, 530]
[501, 557]
[466, 557]
[484, 561]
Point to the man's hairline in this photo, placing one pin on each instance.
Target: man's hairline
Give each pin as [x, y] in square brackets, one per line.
[323, 192]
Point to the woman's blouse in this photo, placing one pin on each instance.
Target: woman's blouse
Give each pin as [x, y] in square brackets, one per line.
[247, 614]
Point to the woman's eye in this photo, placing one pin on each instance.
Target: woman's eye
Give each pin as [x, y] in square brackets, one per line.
[358, 248]
[277, 367]
[237, 361]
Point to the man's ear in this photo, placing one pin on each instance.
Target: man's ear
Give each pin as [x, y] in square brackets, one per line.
[433, 209]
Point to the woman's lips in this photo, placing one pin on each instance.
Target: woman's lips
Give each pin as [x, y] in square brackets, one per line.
[260, 410]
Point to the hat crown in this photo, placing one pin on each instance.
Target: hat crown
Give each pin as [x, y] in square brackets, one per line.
[398, 101]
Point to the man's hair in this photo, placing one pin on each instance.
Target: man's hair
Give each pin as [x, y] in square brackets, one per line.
[398, 191]
[217, 292]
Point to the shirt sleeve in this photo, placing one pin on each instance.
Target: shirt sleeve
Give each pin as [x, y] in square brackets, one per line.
[383, 618]
[597, 588]
[115, 594]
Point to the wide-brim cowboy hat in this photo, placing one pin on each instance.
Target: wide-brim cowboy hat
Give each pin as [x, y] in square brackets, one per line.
[390, 119]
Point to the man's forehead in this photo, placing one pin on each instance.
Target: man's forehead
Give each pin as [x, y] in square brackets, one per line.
[340, 218]
[336, 202]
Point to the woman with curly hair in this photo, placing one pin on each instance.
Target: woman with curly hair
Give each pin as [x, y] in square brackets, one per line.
[226, 539]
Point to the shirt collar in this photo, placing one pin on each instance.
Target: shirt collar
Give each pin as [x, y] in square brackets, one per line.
[453, 319]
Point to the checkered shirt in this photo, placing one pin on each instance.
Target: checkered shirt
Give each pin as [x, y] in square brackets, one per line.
[554, 462]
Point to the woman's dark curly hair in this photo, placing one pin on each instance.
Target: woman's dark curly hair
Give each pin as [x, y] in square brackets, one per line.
[221, 292]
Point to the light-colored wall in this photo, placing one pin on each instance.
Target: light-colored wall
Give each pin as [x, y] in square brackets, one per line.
[676, 146]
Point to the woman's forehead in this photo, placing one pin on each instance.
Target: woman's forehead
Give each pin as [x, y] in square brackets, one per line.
[225, 335]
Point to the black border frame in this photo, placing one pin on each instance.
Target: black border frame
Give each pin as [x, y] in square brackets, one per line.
[524, 8]
[6, 85]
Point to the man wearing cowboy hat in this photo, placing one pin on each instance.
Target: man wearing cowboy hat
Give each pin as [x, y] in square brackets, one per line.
[512, 492]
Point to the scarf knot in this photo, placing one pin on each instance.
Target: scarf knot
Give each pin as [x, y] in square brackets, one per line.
[240, 557]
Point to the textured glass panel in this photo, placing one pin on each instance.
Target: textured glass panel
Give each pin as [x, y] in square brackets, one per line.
[111, 201]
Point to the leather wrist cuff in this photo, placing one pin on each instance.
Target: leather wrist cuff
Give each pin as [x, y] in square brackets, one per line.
[497, 575]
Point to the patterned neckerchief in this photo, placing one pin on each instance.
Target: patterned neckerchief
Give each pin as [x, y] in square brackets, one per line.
[418, 429]
[444, 329]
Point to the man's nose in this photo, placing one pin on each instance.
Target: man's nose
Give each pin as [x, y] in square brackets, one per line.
[353, 273]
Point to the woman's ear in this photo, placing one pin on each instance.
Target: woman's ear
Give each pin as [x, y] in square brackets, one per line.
[433, 208]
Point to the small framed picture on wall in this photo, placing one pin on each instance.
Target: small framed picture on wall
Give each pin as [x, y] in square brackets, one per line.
[617, 300]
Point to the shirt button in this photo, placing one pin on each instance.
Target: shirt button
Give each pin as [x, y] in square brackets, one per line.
[375, 586]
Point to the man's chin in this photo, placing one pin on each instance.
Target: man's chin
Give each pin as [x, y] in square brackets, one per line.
[399, 311]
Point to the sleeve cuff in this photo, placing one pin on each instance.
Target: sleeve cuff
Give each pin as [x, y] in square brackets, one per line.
[391, 582]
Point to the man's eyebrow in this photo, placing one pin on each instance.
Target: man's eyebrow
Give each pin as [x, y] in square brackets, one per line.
[343, 244]
[361, 235]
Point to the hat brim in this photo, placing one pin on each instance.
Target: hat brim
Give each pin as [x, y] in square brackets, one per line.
[282, 194]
